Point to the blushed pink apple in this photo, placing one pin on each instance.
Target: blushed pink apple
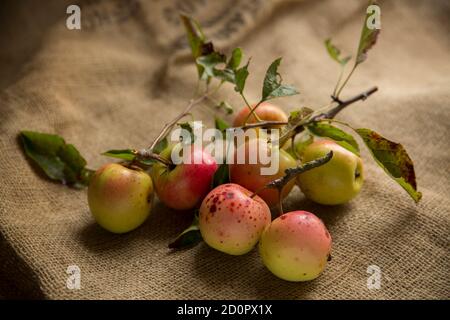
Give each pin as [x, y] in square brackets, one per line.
[120, 198]
[185, 185]
[296, 246]
[231, 221]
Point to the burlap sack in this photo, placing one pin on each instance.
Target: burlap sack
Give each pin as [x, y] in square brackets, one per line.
[113, 84]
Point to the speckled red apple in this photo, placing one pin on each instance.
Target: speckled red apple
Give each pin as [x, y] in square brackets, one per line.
[231, 221]
[120, 198]
[184, 186]
[296, 246]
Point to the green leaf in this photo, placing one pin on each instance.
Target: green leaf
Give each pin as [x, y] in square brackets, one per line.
[124, 154]
[161, 145]
[187, 126]
[225, 106]
[296, 119]
[210, 62]
[394, 159]
[221, 124]
[301, 145]
[241, 75]
[367, 40]
[59, 161]
[235, 60]
[335, 53]
[343, 138]
[197, 41]
[272, 87]
[189, 237]
[221, 176]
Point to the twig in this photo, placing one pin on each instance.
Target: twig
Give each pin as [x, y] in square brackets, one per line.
[343, 104]
[262, 124]
[168, 126]
[291, 173]
[147, 154]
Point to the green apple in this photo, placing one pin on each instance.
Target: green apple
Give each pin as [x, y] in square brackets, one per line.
[120, 198]
[335, 182]
[295, 246]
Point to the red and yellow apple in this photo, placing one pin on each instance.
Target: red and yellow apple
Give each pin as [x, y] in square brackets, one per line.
[265, 111]
[183, 186]
[295, 246]
[250, 176]
[120, 198]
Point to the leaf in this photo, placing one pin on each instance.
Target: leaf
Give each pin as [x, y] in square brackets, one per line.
[221, 124]
[221, 176]
[301, 145]
[225, 106]
[394, 159]
[161, 145]
[210, 61]
[343, 138]
[189, 237]
[197, 41]
[59, 161]
[272, 87]
[241, 75]
[335, 53]
[188, 127]
[124, 154]
[235, 60]
[296, 118]
[367, 40]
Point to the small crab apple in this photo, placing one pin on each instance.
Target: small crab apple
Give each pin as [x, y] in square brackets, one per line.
[120, 198]
[265, 111]
[183, 186]
[231, 220]
[337, 181]
[250, 176]
[296, 246]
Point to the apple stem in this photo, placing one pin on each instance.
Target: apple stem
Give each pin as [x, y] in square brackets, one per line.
[291, 173]
[252, 110]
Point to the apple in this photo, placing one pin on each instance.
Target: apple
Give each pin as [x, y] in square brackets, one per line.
[183, 186]
[335, 182]
[120, 198]
[231, 220]
[249, 175]
[295, 246]
[265, 111]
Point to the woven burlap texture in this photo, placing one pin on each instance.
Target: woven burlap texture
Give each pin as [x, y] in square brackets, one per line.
[115, 82]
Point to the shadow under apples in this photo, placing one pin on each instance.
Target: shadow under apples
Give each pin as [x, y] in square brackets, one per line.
[161, 227]
[330, 215]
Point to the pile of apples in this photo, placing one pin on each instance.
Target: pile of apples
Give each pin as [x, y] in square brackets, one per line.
[295, 246]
